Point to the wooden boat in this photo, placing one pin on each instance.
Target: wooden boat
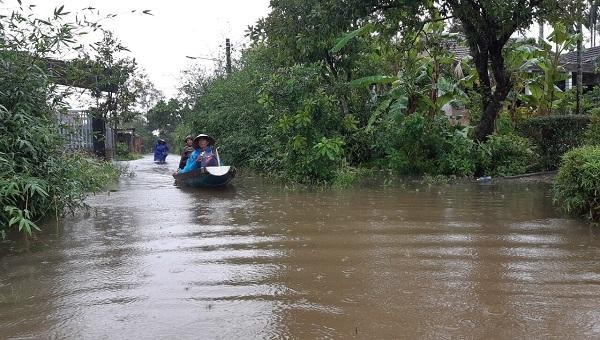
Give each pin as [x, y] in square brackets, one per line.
[209, 177]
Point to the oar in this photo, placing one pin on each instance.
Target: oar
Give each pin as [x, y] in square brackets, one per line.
[218, 158]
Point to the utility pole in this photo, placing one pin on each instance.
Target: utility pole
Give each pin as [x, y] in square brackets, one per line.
[228, 56]
[579, 90]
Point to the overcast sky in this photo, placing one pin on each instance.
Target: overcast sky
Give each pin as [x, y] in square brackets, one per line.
[177, 28]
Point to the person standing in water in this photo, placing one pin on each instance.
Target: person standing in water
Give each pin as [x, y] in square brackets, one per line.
[161, 150]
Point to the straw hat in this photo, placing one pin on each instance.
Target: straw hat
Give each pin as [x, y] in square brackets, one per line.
[211, 141]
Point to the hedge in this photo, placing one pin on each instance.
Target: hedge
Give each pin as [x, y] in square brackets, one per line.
[554, 135]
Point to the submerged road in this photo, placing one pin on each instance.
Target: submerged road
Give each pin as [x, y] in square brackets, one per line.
[153, 261]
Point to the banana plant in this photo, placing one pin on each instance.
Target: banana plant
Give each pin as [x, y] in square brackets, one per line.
[429, 77]
[543, 93]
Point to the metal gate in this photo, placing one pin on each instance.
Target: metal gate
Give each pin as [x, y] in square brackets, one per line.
[82, 131]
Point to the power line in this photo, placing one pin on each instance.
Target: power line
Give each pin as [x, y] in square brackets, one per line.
[203, 58]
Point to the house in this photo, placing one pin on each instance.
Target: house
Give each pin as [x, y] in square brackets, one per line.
[590, 58]
[589, 67]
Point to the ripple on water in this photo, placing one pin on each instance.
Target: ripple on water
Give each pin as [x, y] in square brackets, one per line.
[152, 260]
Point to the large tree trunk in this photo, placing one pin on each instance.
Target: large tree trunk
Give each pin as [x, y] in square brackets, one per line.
[487, 34]
[503, 86]
[486, 52]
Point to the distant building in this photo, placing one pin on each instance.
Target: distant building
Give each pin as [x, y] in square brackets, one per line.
[457, 114]
[134, 142]
[589, 67]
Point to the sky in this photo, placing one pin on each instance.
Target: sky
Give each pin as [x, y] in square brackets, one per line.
[177, 28]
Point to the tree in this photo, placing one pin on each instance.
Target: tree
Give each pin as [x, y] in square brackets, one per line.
[116, 90]
[164, 116]
[304, 31]
[38, 176]
[488, 27]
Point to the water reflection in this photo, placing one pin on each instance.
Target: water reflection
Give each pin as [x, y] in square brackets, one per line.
[256, 261]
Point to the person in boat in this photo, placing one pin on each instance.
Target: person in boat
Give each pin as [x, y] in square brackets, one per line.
[203, 156]
[161, 150]
[188, 149]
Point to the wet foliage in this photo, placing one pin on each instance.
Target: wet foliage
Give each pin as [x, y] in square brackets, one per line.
[577, 185]
[554, 135]
[38, 177]
[328, 89]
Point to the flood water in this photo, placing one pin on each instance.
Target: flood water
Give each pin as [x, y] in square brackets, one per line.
[153, 261]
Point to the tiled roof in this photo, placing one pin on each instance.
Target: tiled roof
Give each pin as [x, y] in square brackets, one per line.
[589, 60]
[590, 57]
[458, 48]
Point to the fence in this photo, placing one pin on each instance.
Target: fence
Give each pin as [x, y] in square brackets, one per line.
[83, 132]
[76, 129]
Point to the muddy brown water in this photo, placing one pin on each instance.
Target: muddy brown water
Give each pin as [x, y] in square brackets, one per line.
[152, 261]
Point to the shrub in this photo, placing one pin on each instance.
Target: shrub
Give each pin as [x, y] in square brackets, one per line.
[577, 184]
[505, 155]
[36, 177]
[459, 159]
[122, 150]
[27, 196]
[554, 135]
[416, 145]
[306, 124]
[412, 144]
[592, 135]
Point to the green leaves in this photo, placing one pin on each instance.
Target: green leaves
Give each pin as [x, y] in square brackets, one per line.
[37, 178]
[299, 143]
[370, 80]
[576, 187]
[331, 148]
[399, 106]
[346, 38]
[34, 188]
[21, 218]
[59, 12]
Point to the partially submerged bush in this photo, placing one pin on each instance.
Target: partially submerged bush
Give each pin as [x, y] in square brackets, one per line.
[458, 160]
[554, 135]
[36, 177]
[58, 184]
[415, 145]
[505, 155]
[577, 184]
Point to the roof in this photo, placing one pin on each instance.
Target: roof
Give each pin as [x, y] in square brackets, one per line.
[458, 48]
[589, 60]
[590, 57]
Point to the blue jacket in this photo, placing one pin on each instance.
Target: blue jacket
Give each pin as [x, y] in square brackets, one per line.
[200, 159]
[160, 152]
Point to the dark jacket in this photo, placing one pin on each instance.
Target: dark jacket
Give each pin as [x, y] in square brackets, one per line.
[187, 151]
